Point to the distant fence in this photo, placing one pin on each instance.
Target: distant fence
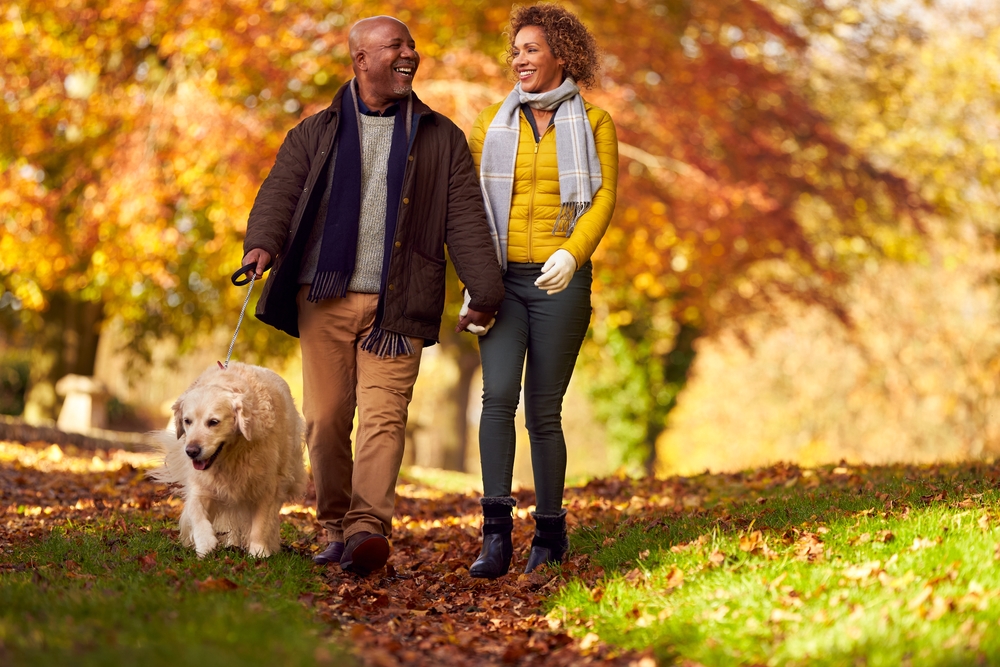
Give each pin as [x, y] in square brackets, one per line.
[17, 430]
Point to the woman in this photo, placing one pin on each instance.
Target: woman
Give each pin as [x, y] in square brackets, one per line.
[548, 165]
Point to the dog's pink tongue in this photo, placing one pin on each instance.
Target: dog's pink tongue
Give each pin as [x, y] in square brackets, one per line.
[198, 465]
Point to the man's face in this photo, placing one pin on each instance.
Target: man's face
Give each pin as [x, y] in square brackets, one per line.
[390, 60]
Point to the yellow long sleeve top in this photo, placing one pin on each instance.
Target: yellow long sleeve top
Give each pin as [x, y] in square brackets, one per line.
[535, 195]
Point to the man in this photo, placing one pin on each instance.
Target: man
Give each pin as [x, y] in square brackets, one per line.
[356, 213]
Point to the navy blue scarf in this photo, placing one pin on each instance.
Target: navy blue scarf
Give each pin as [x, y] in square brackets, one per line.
[338, 252]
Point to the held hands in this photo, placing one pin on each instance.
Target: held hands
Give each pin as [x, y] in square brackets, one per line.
[557, 272]
[473, 321]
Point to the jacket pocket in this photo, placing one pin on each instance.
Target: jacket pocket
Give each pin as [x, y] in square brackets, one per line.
[425, 293]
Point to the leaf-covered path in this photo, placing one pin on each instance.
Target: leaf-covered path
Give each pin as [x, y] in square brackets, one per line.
[423, 609]
[426, 610]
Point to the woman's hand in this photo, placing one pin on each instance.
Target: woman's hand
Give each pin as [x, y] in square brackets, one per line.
[473, 321]
[557, 272]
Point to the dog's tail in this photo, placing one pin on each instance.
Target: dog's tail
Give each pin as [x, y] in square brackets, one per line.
[175, 463]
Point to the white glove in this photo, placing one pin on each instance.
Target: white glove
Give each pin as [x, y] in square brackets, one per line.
[474, 328]
[557, 272]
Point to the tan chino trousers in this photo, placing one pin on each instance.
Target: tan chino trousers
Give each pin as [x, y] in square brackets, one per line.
[359, 494]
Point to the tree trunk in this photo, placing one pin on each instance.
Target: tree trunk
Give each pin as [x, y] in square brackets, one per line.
[676, 369]
[468, 362]
[67, 343]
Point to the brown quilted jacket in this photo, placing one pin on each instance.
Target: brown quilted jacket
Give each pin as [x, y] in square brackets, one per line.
[441, 204]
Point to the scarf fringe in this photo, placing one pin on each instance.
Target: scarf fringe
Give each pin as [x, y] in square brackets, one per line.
[569, 213]
[328, 284]
[386, 343]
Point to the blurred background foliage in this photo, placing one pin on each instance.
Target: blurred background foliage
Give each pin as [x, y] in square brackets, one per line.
[801, 264]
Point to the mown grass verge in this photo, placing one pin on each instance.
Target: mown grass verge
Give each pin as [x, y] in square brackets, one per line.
[122, 591]
[834, 566]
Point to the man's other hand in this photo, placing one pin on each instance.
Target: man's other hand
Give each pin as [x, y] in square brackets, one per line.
[475, 321]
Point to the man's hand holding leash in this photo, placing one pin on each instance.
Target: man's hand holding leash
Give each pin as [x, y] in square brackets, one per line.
[261, 258]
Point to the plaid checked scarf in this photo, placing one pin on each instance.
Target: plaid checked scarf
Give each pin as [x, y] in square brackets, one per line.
[579, 167]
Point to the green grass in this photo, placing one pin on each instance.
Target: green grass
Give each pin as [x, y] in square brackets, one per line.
[121, 592]
[927, 592]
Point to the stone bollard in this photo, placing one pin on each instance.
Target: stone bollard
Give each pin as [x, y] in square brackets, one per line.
[85, 406]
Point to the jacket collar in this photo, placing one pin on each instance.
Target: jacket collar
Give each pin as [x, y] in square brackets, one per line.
[418, 105]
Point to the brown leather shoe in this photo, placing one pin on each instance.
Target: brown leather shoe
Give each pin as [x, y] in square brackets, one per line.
[332, 554]
[364, 553]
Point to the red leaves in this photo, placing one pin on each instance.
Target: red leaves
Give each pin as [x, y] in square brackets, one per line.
[147, 562]
[212, 584]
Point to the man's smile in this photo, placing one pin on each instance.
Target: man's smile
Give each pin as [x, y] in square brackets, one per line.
[405, 69]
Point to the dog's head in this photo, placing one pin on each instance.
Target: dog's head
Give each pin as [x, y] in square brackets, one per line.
[209, 418]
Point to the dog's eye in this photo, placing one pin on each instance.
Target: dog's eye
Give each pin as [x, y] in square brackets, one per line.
[213, 422]
[187, 421]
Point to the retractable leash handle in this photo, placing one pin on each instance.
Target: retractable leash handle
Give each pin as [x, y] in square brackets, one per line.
[239, 279]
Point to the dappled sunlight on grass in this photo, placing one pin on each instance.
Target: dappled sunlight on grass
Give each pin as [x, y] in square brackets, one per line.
[54, 458]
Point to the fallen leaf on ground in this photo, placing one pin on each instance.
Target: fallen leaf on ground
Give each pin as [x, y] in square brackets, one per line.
[220, 584]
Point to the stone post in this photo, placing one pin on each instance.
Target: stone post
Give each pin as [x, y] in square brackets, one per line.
[85, 406]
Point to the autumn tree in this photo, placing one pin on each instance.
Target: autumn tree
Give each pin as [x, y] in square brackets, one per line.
[913, 87]
[134, 136]
[736, 192]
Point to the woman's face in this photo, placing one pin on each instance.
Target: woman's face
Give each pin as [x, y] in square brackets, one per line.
[536, 67]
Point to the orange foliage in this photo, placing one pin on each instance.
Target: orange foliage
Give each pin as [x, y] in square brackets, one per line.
[133, 138]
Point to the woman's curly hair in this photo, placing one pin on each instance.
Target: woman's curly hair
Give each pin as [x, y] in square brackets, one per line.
[568, 38]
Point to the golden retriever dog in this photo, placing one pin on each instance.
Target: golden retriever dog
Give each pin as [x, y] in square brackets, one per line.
[237, 456]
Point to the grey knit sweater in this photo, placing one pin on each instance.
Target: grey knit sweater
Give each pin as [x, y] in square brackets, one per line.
[376, 140]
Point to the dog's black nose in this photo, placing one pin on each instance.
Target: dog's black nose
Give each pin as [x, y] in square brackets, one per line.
[193, 451]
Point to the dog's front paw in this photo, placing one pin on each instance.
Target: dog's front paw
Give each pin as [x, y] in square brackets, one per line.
[205, 542]
[258, 550]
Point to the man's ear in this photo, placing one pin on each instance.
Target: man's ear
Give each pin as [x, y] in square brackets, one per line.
[240, 413]
[361, 61]
[178, 421]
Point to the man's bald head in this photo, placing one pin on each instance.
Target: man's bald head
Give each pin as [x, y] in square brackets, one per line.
[385, 60]
[363, 29]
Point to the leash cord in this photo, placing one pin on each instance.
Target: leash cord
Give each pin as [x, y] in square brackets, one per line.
[253, 279]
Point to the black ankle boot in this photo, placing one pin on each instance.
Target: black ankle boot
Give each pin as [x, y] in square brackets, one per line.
[550, 543]
[494, 559]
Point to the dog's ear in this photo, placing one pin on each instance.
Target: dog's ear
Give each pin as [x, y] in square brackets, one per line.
[241, 412]
[178, 421]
